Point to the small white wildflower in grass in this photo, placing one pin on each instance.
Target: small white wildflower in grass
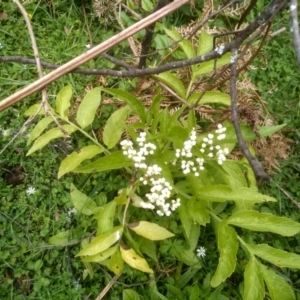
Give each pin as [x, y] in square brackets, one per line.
[5, 132]
[71, 211]
[30, 190]
[1, 46]
[88, 46]
[201, 252]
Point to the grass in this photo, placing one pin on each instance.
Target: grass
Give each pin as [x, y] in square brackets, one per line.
[29, 269]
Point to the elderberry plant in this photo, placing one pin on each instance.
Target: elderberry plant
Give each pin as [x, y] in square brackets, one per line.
[181, 179]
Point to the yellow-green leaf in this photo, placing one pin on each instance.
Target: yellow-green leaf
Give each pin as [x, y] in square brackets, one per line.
[88, 107]
[173, 82]
[208, 66]
[60, 238]
[115, 160]
[150, 231]
[50, 135]
[116, 263]
[39, 128]
[105, 217]
[82, 202]
[206, 43]
[102, 242]
[63, 101]
[254, 288]
[264, 222]
[102, 255]
[228, 246]
[134, 260]
[115, 126]
[73, 160]
[280, 258]
[278, 288]
[210, 97]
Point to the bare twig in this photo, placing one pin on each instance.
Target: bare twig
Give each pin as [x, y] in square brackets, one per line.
[256, 165]
[296, 203]
[108, 287]
[295, 28]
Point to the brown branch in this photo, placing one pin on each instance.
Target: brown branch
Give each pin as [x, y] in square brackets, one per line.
[255, 164]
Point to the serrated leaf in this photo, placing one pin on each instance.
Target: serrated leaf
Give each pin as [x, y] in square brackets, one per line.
[147, 5]
[211, 97]
[113, 161]
[185, 45]
[132, 101]
[102, 255]
[115, 126]
[253, 281]
[134, 260]
[73, 160]
[116, 263]
[208, 66]
[206, 43]
[88, 107]
[278, 288]
[39, 128]
[228, 246]
[150, 231]
[173, 82]
[197, 211]
[82, 202]
[63, 101]
[105, 217]
[130, 294]
[264, 222]
[102, 242]
[280, 258]
[50, 135]
[221, 193]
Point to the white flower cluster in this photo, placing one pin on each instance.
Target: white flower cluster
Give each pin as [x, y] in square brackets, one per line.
[160, 190]
[191, 165]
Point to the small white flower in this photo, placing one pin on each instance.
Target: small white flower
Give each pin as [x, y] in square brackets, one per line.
[5, 132]
[201, 252]
[220, 49]
[30, 190]
[88, 46]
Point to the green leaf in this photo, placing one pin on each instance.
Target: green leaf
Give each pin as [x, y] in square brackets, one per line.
[130, 294]
[206, 43]
[73, 160]
[88, 107]
[221, 193]
[60, 238]
[82, 202]
[185, 45]
[147, 5]
[102, 242]
[211, 97]
[132, 101]
[173, 82]
[188, 257]
[228, 246]
[278, 288]
[50, 135]
[253, 281]
[134, 260]
[235, 178]
[150, 231]
[105, 216]
[102, 255]
[39, 128]
[115, 126]
[208, 66]
[148, 247]
[116, 263]
[32, 110]
[113, 161]
[198, 211]
[264, 222]
[277, 257]
[63, 101]
[185, 219]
